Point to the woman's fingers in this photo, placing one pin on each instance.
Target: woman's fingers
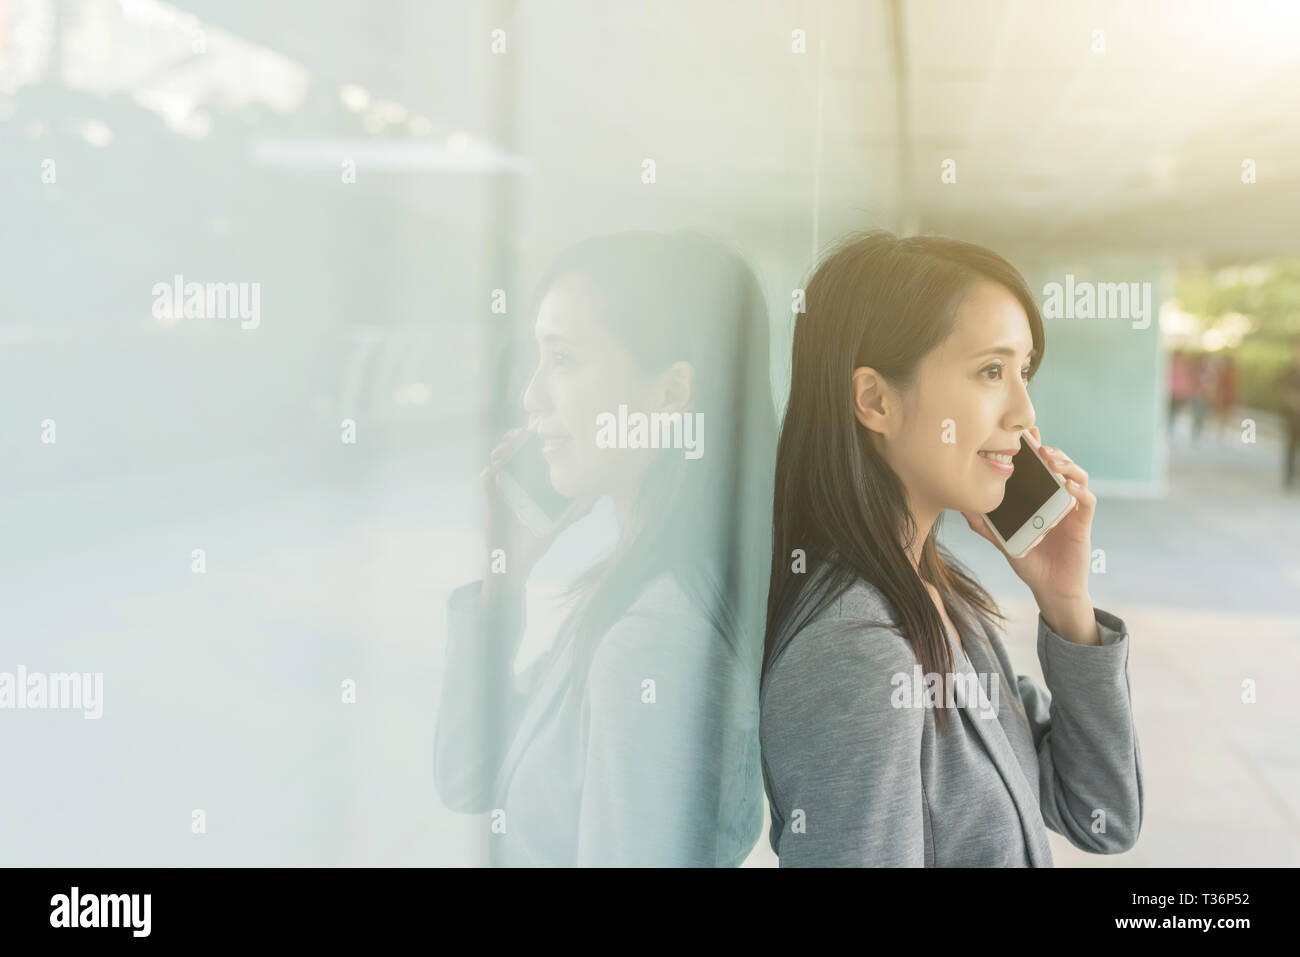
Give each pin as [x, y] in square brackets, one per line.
[1076, 480]
[1066, 465]
[508, 445]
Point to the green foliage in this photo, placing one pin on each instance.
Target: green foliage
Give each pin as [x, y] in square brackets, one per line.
[1259, 364]
[1268, 293]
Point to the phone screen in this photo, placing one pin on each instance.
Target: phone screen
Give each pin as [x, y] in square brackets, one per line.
[1028, 489]
[528, 472]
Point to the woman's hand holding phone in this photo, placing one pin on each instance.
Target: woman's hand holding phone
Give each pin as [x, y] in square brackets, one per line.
[505, 529]
[1057, 567]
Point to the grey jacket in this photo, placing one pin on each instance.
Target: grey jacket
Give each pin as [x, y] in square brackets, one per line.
[856, 775]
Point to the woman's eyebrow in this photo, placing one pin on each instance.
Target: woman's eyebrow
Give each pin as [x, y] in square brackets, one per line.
[549, 338]
[1004, 351]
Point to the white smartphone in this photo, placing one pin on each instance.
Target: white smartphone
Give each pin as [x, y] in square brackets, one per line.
[1036, 499]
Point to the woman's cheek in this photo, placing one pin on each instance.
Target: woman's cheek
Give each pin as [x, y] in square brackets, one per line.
[572, 410]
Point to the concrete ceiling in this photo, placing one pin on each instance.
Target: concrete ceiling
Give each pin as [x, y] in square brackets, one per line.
[1055, 143]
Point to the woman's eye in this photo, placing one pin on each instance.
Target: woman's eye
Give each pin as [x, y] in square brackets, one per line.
[559, 358]
[997, 366]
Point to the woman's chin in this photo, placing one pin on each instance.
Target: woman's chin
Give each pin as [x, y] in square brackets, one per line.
[569, 479]
[988, 501]
[564, 484]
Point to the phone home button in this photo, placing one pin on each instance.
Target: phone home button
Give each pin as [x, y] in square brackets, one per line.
[1038, 521]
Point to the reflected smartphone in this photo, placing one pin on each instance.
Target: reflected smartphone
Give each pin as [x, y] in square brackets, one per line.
[525, 483]
[1036, 499]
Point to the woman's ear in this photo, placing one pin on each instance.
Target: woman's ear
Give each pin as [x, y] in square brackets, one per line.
[869, 390]
[676, 385]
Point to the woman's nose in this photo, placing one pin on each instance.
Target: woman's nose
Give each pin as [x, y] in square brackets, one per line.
[1023, 415]
[534, 394]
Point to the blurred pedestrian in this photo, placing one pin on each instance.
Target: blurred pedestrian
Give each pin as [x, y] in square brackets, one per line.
[1222, 390]
[1181, 385]
[1198, 372]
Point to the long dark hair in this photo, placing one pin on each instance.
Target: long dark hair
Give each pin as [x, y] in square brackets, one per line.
[669, 297]
[881, 301]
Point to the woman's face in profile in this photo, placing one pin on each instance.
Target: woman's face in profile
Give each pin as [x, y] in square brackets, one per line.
[582, 371]
[967, 397]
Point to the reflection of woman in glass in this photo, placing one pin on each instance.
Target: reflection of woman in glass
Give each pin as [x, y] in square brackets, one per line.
[910, 376]
[634, 740]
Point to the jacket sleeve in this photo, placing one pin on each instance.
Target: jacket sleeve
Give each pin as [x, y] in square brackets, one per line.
[1089, 766]
[843, 752]
[660, 688]
[480, 700]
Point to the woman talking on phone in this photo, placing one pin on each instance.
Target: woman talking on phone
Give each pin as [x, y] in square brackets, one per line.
[909, 393]
[634, 739]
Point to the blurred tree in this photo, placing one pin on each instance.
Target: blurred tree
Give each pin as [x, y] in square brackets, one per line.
[1267, 294]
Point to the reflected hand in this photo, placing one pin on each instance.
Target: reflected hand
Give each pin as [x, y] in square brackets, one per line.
[505, 529]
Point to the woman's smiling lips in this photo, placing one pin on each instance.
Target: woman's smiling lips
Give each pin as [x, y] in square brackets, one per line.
[999, 460]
